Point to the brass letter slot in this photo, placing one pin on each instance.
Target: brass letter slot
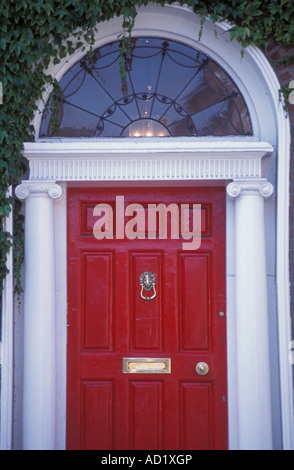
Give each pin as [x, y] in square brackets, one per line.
[145, 365]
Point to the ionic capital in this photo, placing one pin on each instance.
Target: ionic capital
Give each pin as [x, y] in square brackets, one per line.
[250, 187]
[38, 189]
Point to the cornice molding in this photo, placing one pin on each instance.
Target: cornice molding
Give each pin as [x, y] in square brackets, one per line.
[144, 160]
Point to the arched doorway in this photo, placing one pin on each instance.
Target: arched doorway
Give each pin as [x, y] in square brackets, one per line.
[170, 90]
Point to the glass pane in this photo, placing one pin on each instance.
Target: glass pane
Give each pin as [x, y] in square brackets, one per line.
[170, 89]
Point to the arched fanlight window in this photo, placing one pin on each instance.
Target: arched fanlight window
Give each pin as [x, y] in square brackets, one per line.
[170, 90]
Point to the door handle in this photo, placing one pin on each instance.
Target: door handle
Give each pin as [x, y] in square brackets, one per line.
[202, 368]
[147, 282]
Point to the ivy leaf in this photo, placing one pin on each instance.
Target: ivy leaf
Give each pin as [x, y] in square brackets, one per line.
[2, 43]
[48, 8]
[5, 12]
[20, 5]
[252, 9]
[6, 208]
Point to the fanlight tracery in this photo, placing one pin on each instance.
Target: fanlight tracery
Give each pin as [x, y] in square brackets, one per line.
[170, 90]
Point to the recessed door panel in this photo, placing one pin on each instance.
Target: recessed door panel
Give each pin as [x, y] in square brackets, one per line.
[195, 416]
[195, 303]
[97, 288]
[146, 321]
[97, 400]
[146, 408]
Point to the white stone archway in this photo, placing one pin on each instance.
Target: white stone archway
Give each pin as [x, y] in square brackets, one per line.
[240, 163]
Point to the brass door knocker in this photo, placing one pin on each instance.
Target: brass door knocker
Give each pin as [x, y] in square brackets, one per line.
[147, 282]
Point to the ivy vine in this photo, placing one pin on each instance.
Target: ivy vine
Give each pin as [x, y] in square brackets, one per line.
[35, 32]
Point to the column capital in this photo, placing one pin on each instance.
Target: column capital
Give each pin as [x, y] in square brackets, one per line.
[38, 189]
[249, 187]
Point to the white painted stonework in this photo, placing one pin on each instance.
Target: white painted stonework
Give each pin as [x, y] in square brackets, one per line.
[257, 237]
[252, 333]
[155, 159]
[39, 394]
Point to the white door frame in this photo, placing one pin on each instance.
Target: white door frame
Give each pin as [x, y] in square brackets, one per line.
[188, 160]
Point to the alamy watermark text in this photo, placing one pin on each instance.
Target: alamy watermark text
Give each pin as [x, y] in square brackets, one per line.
[162, 221]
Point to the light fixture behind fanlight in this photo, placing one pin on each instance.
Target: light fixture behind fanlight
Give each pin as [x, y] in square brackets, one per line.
[146, 128]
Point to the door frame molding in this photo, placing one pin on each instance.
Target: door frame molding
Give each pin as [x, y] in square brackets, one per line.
[182, 160]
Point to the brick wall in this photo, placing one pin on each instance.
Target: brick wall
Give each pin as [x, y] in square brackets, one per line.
[285, 74]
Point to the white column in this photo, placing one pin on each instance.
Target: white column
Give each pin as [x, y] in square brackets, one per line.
[252, 336]
[39, 407]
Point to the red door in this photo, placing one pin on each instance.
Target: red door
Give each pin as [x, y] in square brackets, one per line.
[146, 373]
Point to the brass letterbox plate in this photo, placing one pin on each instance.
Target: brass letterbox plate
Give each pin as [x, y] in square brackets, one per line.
[146, 365]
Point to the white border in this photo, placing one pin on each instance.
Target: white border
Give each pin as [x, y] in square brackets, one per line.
[261, 94]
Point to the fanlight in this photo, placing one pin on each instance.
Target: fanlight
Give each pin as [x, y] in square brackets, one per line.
[170, 90]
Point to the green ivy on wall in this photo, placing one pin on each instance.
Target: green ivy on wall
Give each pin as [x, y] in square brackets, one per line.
[34, 32]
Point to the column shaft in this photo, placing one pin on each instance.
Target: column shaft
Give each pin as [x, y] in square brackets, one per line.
[253, 365]
[39, 395]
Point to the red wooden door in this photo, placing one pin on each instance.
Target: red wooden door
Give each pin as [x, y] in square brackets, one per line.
[109, 321]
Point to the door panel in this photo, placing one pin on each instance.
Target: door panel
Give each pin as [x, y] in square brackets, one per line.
[96, 406]
[146, 408]
[146, 317]
[195, 416]
[109, 320]
[194, 290]
[97, 272]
